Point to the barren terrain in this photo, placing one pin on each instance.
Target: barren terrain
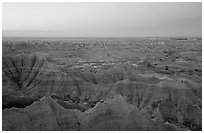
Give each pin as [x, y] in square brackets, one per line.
[102, 84]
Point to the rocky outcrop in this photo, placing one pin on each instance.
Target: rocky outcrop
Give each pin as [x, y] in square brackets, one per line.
[116, 115]
[113, 114]
[33, 76]
[44, 98]
[43, 115]
[173, 100]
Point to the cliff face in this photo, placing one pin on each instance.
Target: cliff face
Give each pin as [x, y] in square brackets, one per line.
[37, 96]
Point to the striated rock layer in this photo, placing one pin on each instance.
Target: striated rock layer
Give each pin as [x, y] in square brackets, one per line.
[113, 114]
[37, 96]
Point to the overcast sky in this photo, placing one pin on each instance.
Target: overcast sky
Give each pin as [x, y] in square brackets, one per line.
[102, 19]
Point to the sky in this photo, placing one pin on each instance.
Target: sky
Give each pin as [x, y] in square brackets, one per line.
[87, 19]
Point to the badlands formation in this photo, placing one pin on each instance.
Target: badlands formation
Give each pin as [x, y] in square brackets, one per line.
[102, 84]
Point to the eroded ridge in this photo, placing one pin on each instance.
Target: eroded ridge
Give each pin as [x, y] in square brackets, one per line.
[44, 98]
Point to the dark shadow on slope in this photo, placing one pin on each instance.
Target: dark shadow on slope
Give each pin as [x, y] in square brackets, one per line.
[9, 101]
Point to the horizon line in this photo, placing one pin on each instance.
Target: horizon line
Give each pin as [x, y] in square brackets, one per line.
[97, 36]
